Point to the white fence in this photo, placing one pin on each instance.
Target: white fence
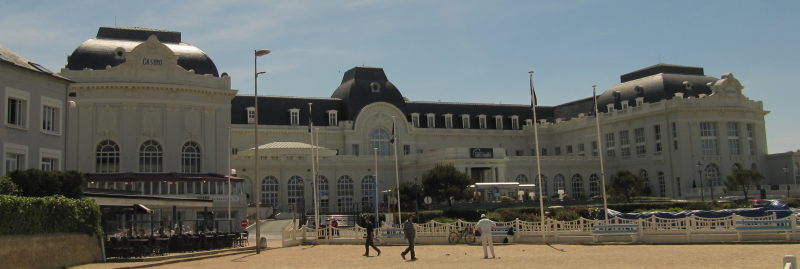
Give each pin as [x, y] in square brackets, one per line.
[691, 229]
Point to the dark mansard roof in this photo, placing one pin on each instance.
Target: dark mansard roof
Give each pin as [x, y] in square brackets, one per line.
[101, 51]
[362, 86]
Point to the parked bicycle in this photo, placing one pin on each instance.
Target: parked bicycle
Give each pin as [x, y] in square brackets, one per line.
[467, 234]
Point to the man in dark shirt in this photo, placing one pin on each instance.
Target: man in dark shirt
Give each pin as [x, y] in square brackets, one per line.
[370, 237]
[409, 232]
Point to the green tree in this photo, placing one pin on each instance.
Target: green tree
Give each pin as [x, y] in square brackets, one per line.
[625, 185]
[445, 181]
[8, 187]
[742, 180]
[409, 193]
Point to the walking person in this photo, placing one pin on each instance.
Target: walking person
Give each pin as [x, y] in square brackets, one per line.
[485, 227]
[370, 237]
[409, 232]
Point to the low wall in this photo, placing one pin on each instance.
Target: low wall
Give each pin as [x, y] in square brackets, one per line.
[49, 250]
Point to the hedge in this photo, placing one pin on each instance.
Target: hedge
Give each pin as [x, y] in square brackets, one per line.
[51, 214]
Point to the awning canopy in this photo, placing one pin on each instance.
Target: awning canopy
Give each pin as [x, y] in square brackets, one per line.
[168, 177]
[501, 185]
[288, 148]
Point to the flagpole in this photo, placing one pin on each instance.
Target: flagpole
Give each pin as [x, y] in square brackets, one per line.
[600, 152]
[538, 159]
[396, 170]
[313, 170]
[319, 171]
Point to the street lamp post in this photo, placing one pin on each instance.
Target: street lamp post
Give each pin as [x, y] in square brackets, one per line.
[257, 54]
[700, 176]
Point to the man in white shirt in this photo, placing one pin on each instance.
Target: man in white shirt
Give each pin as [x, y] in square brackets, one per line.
[485, 226]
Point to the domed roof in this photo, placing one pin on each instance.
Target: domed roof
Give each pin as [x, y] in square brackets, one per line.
[656, 83]
[362, 86]
[103, 50]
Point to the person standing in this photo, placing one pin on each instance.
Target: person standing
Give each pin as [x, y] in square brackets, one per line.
[370, 237]
[485, 226]
[409, 232]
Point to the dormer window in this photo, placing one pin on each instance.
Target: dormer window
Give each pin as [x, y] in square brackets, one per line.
[448, 121]
[415, 120]
[465, 121]
[624, 105]
[639, 101]
[610, 107]
[498, 122]
[687, 86]
[529, 122]
[482, 121]
[431, 120]
[515, 122]
[251, 115]
[333, 119]
[375, 87]
[294, 117]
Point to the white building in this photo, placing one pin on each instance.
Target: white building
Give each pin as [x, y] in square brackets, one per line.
[32, 134]
[152, 118]
[659, 122]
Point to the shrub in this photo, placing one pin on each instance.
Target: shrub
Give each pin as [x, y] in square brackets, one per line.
[8, 187]
[698, 206]
[52, 214]
[507, 199]
[38, 183]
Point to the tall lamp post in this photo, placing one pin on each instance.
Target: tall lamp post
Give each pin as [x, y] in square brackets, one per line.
[700, 176]
[257, 54]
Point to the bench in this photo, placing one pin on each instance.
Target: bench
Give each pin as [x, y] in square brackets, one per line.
[615, 229]
[503, 232]
[764, 226]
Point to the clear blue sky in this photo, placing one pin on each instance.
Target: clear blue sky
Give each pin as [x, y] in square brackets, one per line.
[461, 51]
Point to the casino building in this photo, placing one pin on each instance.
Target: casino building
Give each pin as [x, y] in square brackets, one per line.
[150, 124]
[677, 127]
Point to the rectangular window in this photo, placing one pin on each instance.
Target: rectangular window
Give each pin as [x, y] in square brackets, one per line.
[594, 148]
[498, 122]
[639, 137]
[49, 119]
[355, 149]
[520, 152]
[708, 135]
[406, 149]
[657, 134]
[482, 122]
[569, 149]
[465, 121]
[448, 121]
[49, 164]
[674, 130]
[624, 143]
[751, 138]
[581, 149]
[544, 151]
[16, 112]
[415, 120]
[333, 119]
[294, 117]
[557, 151]
[515, 123]
[610, 143]
[251, 115]
[431, 120]
[14, 161]
[734, 146]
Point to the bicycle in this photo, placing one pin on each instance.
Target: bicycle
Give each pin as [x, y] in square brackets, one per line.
[466, 234]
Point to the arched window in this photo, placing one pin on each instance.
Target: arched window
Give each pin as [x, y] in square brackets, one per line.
[522, 179]
[190, 156]
[379, 138]
[594, 186]
[712, 175]
[295, 189]
[544, 186]
[662, 185]
[151, 157]
[344, 194]
[107, 157]
[577, 186]
[322, 185]
[368, 193]
[558, 182]
[269, 191]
